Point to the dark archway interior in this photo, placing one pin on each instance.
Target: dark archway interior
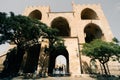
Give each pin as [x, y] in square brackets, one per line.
[92, 32]
[36, 14]
[53, 56]
[88, 14]
[62, 25]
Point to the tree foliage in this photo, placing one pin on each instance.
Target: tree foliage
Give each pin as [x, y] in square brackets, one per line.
[101, 50]
[25, 33]
[21, 29]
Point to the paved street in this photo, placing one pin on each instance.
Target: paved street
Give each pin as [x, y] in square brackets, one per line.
[83, 77]
[68, 78]
[59, 78]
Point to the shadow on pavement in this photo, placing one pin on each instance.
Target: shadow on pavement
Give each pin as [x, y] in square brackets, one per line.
[104, 77]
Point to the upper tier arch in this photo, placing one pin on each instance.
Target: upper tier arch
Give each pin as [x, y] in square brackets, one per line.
[88, 13]
[62, 25]
[36, 14]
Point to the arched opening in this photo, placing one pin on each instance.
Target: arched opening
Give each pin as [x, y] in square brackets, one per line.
[60, 60]
[89, 14]
[59, 54]
[60, 66]
[92, 31]
[62, 25]
[36, 14]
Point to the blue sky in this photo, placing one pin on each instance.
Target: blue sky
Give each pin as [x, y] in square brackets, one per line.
[111, 9]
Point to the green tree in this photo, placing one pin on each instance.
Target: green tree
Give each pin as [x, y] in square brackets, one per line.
[100, 50]
[25, 33]
[117, 49]
[22, 31]
[3, 19]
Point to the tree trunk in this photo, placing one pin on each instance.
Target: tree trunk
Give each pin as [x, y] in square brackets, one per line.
[105, 70]
[19, 58]
[32, 59]
[108, 69]
[13, 62]
[43, 64]
[101, 68]
[9, 64]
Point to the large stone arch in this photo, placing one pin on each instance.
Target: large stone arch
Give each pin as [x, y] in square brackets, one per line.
[88, 13]
[62, 25]
[92, 31]
[36, 14]
[53, 56]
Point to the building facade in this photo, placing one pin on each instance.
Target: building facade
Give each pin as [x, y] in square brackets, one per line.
[81, 25]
